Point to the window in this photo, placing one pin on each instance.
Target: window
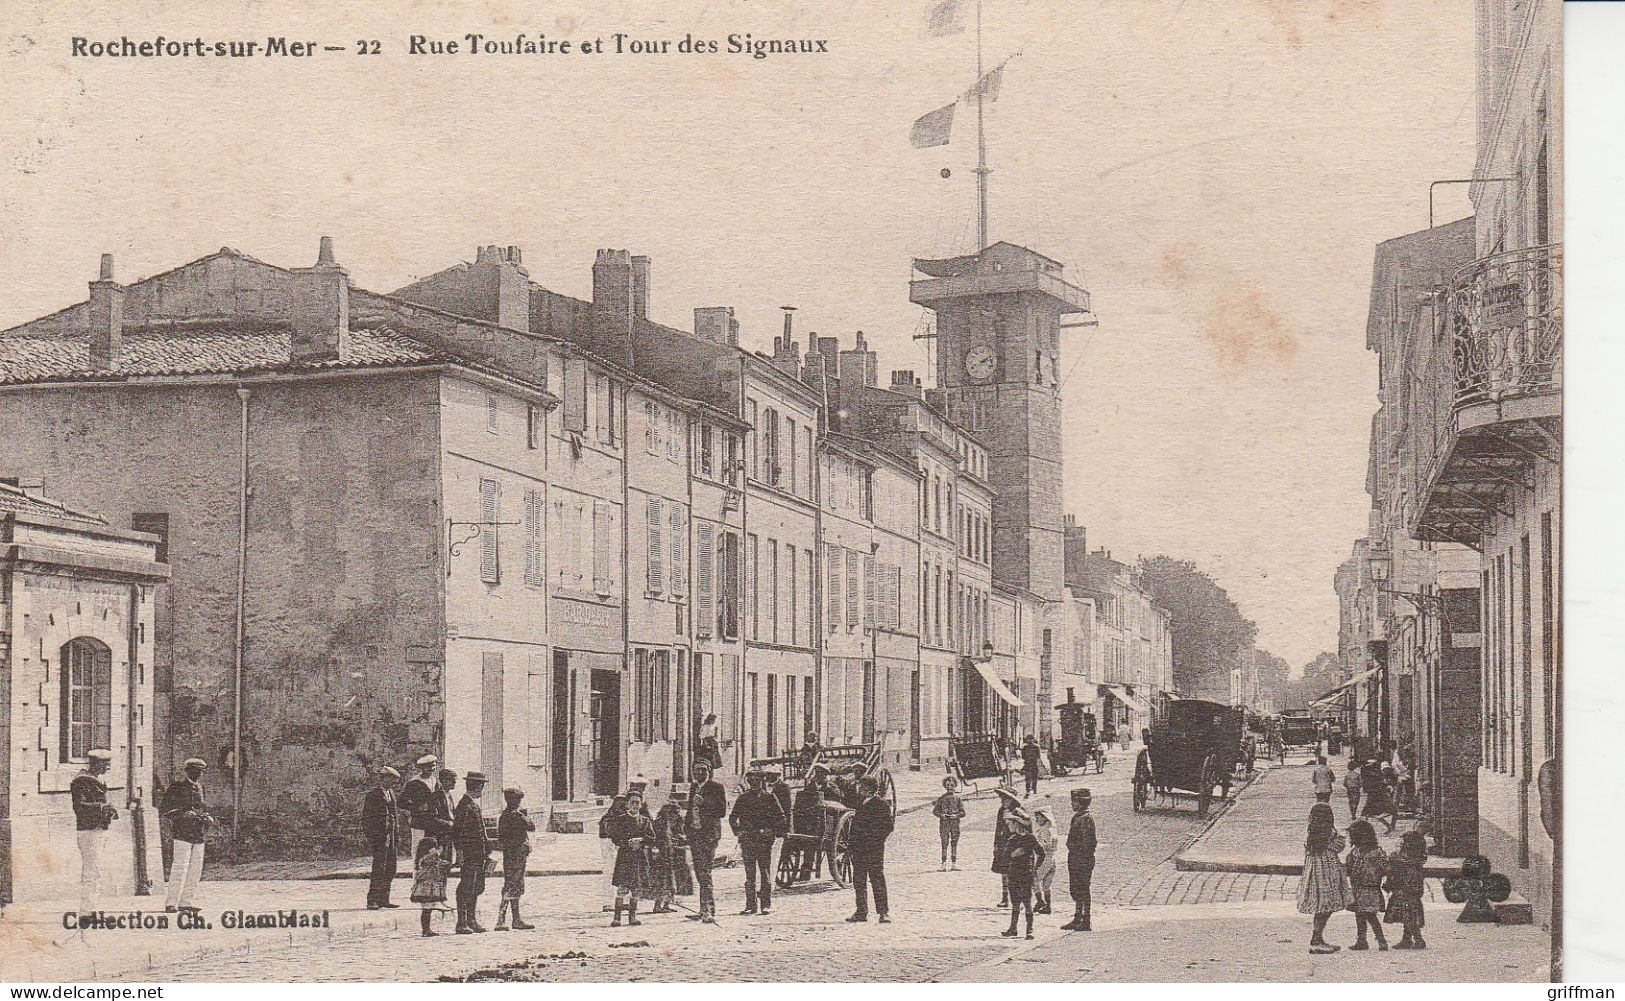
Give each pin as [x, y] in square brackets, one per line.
[730, 458]
[868, 592]
[792, 610]
[770, 442]
[770, 590]
[807, 454]
[795, 459]
[534, 575]
[575, 395]
[728, 599]
[852, 592]
[490, 514]
[772, 715]
[606, 548]
[679, 551]
[704, 541]
[675, 423]
[533, 427]
[832, 586]
[809, 609]
[753, 442]
[656, 583]
[706, 436]
[651, 428]
[751, 568]
[491, 412]
[86, 669]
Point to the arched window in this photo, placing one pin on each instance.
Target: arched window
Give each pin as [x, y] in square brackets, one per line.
[87, 697]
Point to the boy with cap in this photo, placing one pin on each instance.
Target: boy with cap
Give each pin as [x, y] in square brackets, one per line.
[190, 820]
[91, 815]
[756, 820]
[473, 852]
[1080, 859]
[707, 805]
[378, 825]
[513, 837]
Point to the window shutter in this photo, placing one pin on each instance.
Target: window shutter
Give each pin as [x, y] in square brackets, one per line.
[575, 394]
[852, 595]
[656, 582]
[601, 408]
[868, 592]
[533, 538]
[703, 578]
[491, 412]
[490, 508]
[679, 562]
[606, 541]
[832, 586]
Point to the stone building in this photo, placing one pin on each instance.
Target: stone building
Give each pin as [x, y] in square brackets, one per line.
[77, 637]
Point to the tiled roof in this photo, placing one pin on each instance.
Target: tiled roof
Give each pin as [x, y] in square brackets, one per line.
[182, 350]
[15, 499]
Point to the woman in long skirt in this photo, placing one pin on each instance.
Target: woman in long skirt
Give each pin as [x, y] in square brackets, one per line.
[1323, 889]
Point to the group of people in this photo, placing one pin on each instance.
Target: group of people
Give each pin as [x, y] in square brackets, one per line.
[182, 808]
[1378, 788]
[1024, 854]
[1331, 883]
[448, 835]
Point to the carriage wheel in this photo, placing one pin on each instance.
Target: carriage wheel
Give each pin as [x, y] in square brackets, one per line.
[888, 789]
[789, 867]
[1205, 784]
[1142, 792]
[840, 851]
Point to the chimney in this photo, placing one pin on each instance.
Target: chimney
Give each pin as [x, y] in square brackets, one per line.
[716, 325]
[511, 280]
[640, 287]
[857, 366]
[787, 353]
[612, 292]
[789, 315]
[903, 381]
[321, 309]
[105, 317]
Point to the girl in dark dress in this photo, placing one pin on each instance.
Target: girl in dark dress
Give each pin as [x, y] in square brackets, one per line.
[1009, 804]
[1366, 864]
[1025, 855]
[1405, 890]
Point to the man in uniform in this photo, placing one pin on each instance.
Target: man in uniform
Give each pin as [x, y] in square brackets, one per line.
[379, 825]
[473, 852]
[756, 820]
[91, 814]
[190, 820]
[1080, 859]
[416, 796]
[707, 805]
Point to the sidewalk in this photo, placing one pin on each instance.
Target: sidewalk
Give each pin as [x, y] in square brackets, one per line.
[1262, 830]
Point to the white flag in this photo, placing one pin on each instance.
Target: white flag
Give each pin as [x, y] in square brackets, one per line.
[946, 18]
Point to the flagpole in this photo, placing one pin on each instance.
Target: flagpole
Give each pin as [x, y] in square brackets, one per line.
[981, 143]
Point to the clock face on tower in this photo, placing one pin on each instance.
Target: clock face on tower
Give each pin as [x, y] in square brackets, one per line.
[980, 361]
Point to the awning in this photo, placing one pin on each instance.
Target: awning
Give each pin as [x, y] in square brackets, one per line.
[1127, 699]
[991, 677]
[1351, 682]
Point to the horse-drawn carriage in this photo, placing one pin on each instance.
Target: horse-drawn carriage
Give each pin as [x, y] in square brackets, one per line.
[821, 788]
[1298, 728]
[1194, 749]
[1079, 746]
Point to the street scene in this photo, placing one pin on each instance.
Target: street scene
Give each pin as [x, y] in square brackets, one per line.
[966, 564]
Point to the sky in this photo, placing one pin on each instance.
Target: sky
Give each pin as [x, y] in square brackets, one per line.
[1217, 175]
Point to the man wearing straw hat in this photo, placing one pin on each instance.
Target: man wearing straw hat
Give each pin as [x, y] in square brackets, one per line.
[473, 853]
[380, 827]
[92, 814]
[417, 797]
[190, 820]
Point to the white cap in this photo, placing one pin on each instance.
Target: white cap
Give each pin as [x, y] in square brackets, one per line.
[100, 754]
[195, 761]
[428, 759]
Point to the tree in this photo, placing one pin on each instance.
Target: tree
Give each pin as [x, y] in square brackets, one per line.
[1319, 676]
[1209, 631]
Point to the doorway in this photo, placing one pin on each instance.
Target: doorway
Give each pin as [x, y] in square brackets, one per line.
[564, 718]
[604, 712]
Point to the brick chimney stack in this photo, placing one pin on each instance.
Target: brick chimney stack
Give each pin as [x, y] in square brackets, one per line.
[106, 317]
[511, 280]
[612, 292]
[903, 381]
[321, 309]
[858, 366]
[716, 325]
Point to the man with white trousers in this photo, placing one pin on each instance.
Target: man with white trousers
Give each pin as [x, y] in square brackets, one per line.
[92, 814]
[190, 820]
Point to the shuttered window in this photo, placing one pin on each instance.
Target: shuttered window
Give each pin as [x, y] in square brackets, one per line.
[679, 550]
[490, 509]
[792, 608]
[868, 592]
[575, 394]
[728, 590]
[770, 590]
[533, 539]
[750, 586]
[606, 547]
[852, 593]
[491, 412]
[705, 543]
[655, 549]
[832, 586]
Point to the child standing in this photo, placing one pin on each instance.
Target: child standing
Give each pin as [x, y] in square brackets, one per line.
[1405, 889]
[429, 867]
[1025, 856]
[1366, 864]
[665, 860]
[1044, 880]
[1323, 889]
[950, 810]
[513, 837]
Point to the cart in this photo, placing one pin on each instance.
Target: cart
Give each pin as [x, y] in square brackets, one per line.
[1298, 729]
[1079, 746]
[1194, 749]
[820, 843]
[975, 756]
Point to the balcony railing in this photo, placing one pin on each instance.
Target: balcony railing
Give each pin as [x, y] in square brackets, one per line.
[1506, 321]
